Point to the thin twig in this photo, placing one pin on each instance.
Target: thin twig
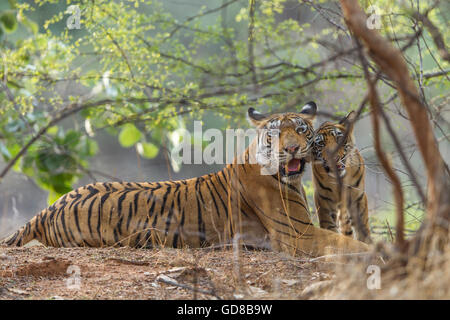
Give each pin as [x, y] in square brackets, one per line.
[172, 282]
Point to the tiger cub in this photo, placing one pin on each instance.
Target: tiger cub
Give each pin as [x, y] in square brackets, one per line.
[339, 211]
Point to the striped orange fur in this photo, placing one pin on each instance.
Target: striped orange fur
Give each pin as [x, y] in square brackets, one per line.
[340, 210]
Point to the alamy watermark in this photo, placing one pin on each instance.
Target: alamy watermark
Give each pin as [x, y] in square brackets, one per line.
[374, 20]
[226, 150]
[374, 280]
[73, 282]
[73, 21]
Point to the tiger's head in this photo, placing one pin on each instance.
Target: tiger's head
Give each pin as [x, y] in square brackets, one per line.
[327, 138]
[284, 141]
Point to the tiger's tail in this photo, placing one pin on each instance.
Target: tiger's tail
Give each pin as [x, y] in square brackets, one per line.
[24, 235]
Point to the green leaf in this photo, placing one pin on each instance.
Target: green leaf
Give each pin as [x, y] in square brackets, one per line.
[147, 150]
[50, 162]
[27, 165]
[88, 147]
[61, 183]
[157, 134]
[14, 149]
[53, 196]
[129, 135]
[52, 130]
[9, 21]
[72, 138]
[5, 152]
[14, 126]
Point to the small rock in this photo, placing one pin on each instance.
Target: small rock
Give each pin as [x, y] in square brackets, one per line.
[33, 243]
[166, 279]
[5, 257]
[17, 291]
[290, 282]
[176, 269]
[256, 292]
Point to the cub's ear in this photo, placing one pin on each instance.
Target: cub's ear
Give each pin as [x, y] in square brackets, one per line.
[255, 117]
[349, 121]
[310, 110]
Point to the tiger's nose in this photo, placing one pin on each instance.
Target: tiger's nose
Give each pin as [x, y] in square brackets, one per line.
[292, 148]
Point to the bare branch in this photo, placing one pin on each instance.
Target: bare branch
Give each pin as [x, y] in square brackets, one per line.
[250, 44]
[435, 34]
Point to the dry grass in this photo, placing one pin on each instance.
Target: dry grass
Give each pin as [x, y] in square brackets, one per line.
[400, 278]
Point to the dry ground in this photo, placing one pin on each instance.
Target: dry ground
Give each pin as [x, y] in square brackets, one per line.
[37, 272]
[125, 273]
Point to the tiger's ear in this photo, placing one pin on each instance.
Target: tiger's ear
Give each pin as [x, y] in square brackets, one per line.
[255, 117]
[309, 110]
[349, 121]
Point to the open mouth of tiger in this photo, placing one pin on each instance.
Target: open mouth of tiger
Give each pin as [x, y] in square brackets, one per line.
[293, 167]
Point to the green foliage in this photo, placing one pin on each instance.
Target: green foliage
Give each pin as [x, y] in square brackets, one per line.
[148, 150]
[129, 135]
[57, 163]
[383, 223]
[8, 20]
[157, 68]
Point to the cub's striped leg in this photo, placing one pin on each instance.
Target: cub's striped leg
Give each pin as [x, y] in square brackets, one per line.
[326, 210]
[358, 209]
[344, 218]
[345, 222]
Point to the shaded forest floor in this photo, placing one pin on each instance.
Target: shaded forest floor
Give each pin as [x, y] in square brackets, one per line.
[124, 273]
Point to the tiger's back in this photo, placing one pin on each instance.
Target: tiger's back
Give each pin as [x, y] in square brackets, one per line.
[138, 215]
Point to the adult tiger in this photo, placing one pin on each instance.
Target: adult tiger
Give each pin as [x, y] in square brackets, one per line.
[263, 210]
[340, 210]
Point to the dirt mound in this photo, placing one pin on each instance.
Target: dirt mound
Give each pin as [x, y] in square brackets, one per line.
[47, 268]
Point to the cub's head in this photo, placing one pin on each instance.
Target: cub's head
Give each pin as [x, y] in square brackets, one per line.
[284, 141]
[327, 138]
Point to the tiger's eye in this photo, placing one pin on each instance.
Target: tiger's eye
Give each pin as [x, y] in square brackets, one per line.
[302, 128]
[318, 140]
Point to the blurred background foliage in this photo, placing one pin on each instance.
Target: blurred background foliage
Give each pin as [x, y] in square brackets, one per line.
[139, 70]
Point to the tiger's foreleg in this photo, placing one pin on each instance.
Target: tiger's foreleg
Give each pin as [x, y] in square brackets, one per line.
[326, 213]
[344, 217]
[316, 242]
[360, 218]
[344, 222]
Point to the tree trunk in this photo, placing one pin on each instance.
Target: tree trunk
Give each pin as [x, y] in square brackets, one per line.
[390, 60]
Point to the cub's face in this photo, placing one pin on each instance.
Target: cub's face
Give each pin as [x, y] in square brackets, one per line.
[326, 139]
[284, 141]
